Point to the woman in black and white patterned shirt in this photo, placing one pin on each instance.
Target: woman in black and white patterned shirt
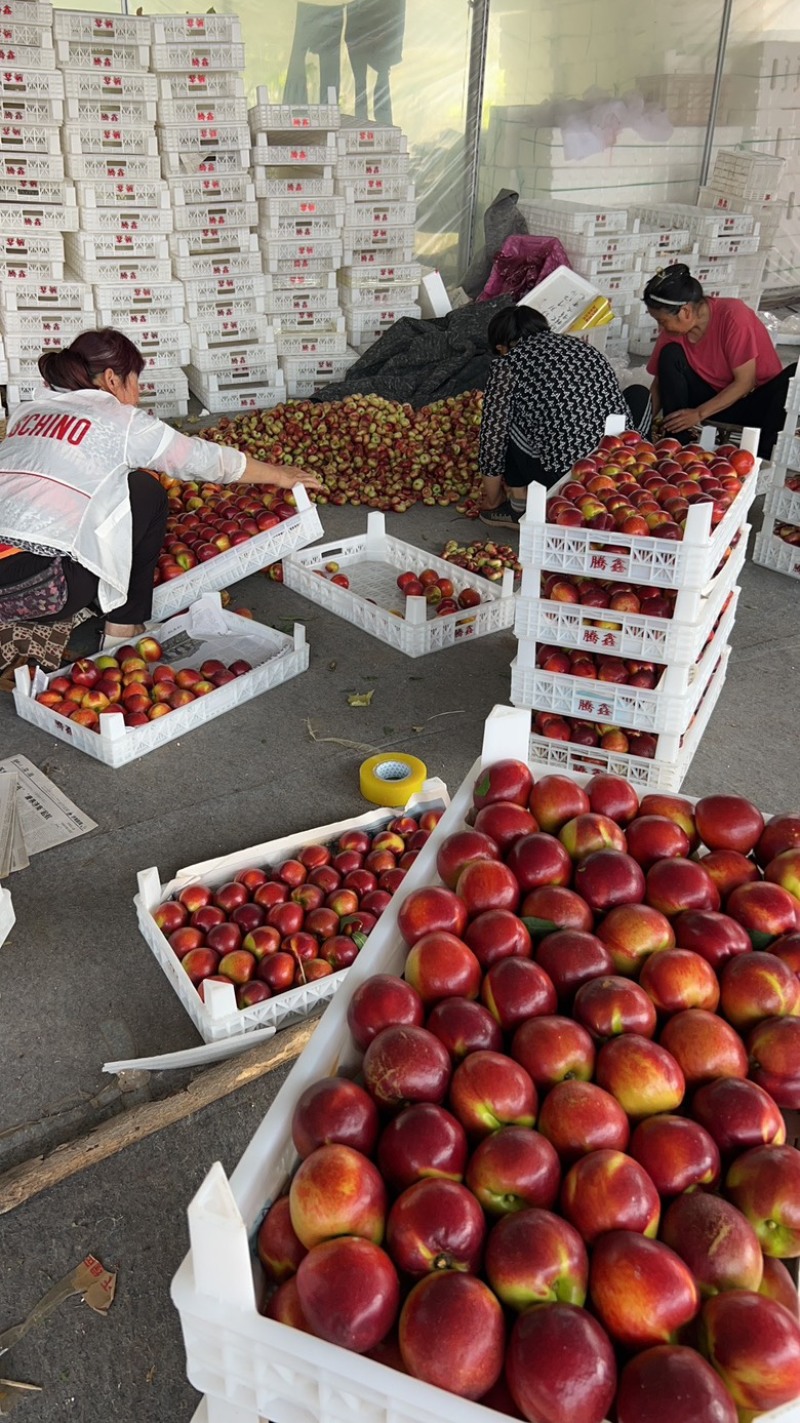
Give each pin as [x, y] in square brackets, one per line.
[545, 406]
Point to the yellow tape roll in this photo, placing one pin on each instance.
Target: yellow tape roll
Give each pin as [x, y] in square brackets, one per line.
[390, 779]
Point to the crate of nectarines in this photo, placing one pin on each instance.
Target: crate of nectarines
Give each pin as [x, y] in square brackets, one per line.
[534, 1161]
[658, 515]
[403, 595]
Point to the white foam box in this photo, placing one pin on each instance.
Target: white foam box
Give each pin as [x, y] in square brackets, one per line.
[691, 563]
[197, 55]
[320, 152]
[218, 1018]
[202, 110]
[32, 168]
[236, 396]
[217, 266]
[312, 343]
[206, 630]
[35, 217]
[193, 163]
[7, 915]
[29, 139]
[357, 138]
[563, 297]
[192, 30]
[113, 167]
[200, 83]
[291, 118]
[669, 707]
[101, 86]
[298, 183]
[215, 214]
[108, 140]
[374, 603]
[187, 247]
[211, 188]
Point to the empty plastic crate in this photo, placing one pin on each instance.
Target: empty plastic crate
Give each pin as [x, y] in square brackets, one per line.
[197, 242]
[376, 238]
[103, 55]
[310, 370]
[31, 167]
[375, 272]
[320, 153]
[37, 217]
[108, 167]
[233, 330]
[773, 552]
[197, 55]
[364, 327]
[311, 343]
[700, 224]
[354, 138]
[31, 111]
[212, 188]
[217, 266]
[116, 194]
[131, 320]
[215, 215]
[111, 139]
[753, 176]
[48, 296]
[201, 137]
[202, 110]
[98, 85]
[291, 118]
[296, 185]
[378, 188]
[191, 83]
[28, 139]
[38, 55]
[196, 158]
[371, 165]
[206, 315]
[236, 397]
[242, 288]
[199, 28]
[122, 219]
[303, 300]
[29, 243]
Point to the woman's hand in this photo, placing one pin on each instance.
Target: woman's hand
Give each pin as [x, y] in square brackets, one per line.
[681, 420]
[280, 476]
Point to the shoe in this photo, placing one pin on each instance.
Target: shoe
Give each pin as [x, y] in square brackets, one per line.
[503, 516]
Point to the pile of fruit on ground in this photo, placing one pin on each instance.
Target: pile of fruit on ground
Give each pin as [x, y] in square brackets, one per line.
[560, 1183]
[369, 450]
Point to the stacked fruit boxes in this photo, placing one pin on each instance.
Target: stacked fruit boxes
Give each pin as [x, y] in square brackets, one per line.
[777, 544]
[203, 138]
[623, 638]
[300, 235]
[36, 206]
[379, 230]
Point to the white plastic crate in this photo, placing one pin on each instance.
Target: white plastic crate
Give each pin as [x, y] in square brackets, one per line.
[212, 188]
[246, 287]
[323, 280]
[236, 399]
[275, 658]
[38, 246]
[31, 11]
[202, 110]
[561, 218]
[44, 297]
[219, 1018]
[370, 296]
[372, 562]
[744, 174]
[691, 563]
[310, 370]
[682, 248]
[197, 54]
[364, 259]
[165, 391]
[40, 54]
[29, 269]
[235, 330]
[273, 211]
[193, 161]
[206, 315]
[136, 271]
[217, 266]
[320, 153]
[245, 558]
[620, 286]
[193, 29]
[113, 246]
[185, 246]
[371, 165]
[713, 270]
[376, 273]
[379, 214]
[782, 504]
[377, 238]
[19, 326]
[311, 343]
[245, 359]
[669, 707]
[775, 553]
[612, 263]
[215, 215]
[199, 138]
[730, 246]
[108, 110]
[163, 345]
[23, 348]
[117, 29]
[354, 137]
[98, 85]
[38, 218]
[19, 392]
[291, 118]
[131, 219]
[300, 229]
[138, 298]
[109, 139]
[311, 320]
[31, 168]
[31, 110]
[366, 326]
[296, 185]
[116, 194]
[284, 249]
[768, 216]
[375, 189]
[29, 139]
[703, 226]
[191, 83]
[102, 55]
[605, 244]
[262, 377]
[634, 636]
[303, 300]
[113, 167]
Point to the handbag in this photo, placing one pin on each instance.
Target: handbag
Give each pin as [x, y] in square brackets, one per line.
[41, 596]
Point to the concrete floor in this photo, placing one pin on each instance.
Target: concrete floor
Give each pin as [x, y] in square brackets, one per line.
[79, 986]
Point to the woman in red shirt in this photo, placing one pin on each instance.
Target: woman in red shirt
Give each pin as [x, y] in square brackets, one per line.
[713, 356]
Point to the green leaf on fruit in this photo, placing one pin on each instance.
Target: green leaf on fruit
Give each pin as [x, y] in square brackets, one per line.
[360, 699]
[482, 787]
[537, 928]
[359, 940]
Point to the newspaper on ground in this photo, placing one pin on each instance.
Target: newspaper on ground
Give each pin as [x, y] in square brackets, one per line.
[34, 814]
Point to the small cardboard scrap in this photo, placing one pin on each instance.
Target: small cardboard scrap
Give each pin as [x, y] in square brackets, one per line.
[89, 1279]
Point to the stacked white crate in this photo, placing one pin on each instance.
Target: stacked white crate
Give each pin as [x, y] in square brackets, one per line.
[379, 280]
[300, 220]
[36, 206]
[777, 544]
[124, 215]
[203, 140]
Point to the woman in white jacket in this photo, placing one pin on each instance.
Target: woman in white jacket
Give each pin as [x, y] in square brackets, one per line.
[80, 519]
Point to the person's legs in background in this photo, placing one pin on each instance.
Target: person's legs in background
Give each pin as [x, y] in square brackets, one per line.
[504, 498]
[318, 30]
[764, 409]
[679, 386]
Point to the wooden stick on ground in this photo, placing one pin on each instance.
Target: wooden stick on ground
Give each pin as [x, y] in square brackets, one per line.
[39, 1173]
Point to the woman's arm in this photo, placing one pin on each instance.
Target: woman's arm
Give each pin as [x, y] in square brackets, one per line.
[498, 400]
[283, 476]
[151, 444]
[744, 379]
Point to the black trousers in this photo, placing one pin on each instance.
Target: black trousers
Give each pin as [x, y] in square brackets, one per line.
[681, 388]
[148, 525]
